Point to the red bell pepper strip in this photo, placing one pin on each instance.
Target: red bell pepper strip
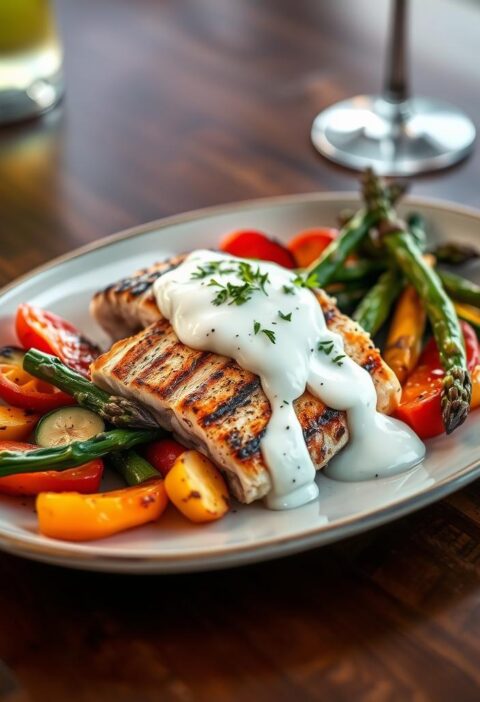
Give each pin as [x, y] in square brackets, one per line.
[47, 332]
[83, 479]
[20, 389]
[254, 244]
[420, 404]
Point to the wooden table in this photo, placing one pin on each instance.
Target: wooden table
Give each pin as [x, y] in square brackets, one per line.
[175, 105]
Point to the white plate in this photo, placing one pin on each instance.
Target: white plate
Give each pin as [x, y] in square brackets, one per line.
[250, 533]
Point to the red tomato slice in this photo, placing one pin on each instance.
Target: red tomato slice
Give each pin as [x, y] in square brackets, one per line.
[84, 479]
[20, 389]
[163, 454]
[47, 332]
[252, 244]
[309, 244]
[420, 406]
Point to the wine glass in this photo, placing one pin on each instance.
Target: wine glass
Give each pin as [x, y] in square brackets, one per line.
[394, 133]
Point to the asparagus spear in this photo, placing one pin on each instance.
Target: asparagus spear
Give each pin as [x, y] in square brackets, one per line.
[358, 271]
[373, 310]
[324, 268]
[460, 288]
[116, 410]
[454, 253]
[457, 386]
[133, 468]
[74, 454]
[416, 227]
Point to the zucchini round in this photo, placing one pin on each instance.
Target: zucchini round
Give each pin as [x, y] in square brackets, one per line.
[67, 424]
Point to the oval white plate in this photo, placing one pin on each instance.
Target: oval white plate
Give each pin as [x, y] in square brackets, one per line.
[250, 533]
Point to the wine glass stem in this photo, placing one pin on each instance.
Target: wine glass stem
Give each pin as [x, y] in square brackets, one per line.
[396, 88]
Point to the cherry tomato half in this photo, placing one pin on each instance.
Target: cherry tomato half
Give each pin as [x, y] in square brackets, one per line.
[248, 243]
[162, 454]
[309, 244]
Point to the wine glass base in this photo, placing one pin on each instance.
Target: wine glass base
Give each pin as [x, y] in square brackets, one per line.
[397, 139]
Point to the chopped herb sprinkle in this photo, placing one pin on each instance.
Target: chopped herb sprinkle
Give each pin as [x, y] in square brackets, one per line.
[269, 334]
[252, 280]
[286, 317]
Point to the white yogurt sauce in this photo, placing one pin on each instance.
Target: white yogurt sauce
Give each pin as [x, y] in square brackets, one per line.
[280, 334]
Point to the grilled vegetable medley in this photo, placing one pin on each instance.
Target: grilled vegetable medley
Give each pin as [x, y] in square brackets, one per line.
[59, 432]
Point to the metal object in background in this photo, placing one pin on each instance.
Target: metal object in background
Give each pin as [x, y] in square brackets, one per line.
[31, 80]
[394, 133]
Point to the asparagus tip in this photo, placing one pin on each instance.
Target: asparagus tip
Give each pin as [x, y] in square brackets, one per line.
[456, 396]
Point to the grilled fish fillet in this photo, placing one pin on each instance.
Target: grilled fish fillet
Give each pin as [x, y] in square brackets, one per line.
[129, 305]
[212, 404]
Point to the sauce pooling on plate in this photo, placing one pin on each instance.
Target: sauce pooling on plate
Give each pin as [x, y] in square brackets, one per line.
[260, 315]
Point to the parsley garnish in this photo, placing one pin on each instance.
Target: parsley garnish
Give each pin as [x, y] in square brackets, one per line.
[210, 268]
[256, 327]
[269, 334]
[288, 290]
[286, 317]
[310, 282]
[326, 347]
[252, 280]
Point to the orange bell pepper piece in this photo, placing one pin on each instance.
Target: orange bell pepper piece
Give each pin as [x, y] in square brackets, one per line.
[75, 517]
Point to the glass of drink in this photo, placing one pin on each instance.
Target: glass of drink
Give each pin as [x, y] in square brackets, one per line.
[31, 80]
[394, 132]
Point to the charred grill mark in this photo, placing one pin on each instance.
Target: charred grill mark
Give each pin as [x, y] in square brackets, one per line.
[321, 421]
[250, 447]
[157, 362]
[136, 352]
[201, 391]
[138, 284]
[184, 374]
[371, 364]
[241, 398]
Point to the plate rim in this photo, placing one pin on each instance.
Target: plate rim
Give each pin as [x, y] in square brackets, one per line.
[209, 558]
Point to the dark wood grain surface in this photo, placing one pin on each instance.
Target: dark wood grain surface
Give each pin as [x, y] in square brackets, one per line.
[178, 104]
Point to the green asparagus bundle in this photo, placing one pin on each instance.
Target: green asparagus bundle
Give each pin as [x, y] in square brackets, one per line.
[457, 387]
[113, 409]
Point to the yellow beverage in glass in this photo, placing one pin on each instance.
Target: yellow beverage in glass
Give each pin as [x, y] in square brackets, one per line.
[30, 59]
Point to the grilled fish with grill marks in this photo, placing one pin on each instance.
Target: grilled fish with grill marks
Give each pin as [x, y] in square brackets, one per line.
[129, 305]
[212, 404]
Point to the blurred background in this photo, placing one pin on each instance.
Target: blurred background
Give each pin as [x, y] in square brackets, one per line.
[172, 105]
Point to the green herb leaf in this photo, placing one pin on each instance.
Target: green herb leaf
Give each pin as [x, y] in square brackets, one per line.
[256, 327]
[338, 359]
[288, 290]
[286, 317]
[326, 346]
[269, 334]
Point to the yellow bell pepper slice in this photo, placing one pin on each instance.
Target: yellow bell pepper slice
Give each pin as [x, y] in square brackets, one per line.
[197, 488]
[475, 376]
[404, 341]
[469, 313]
[16, 424]
[75, 517]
